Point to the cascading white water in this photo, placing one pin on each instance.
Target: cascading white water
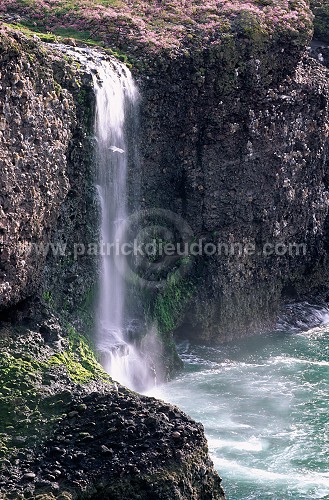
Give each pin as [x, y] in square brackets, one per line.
[116, 102]
[116, 94]
[113, 88]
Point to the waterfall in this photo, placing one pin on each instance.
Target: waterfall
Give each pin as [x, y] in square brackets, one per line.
[116, 103]
[116, 100]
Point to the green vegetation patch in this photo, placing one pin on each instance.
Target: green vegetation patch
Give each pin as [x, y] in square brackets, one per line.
[170, 303]
[66, 35]
[78, 360]
[37, 383]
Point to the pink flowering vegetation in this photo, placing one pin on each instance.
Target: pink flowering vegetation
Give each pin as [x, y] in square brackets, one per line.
[170, 24]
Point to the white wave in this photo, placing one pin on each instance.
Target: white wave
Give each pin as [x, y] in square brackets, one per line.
[228, 424]
[303, 316]
[253, 444]
[316, 333]
[301, 481]
[290, 361]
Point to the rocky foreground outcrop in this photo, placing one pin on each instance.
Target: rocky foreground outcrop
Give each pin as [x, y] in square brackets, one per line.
[68, 432]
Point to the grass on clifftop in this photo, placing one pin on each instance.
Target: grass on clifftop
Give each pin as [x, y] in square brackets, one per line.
[64, 35]
[128, 24]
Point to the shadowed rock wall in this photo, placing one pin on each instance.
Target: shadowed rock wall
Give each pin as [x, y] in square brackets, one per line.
[238, 147]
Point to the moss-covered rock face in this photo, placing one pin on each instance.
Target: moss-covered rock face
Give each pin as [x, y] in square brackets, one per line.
[67, 431]
[321, 22]
[164, 310]
[35, 367]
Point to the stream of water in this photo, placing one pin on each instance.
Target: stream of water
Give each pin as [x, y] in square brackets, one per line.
[116, 111]
[116, 104]
[264, 404]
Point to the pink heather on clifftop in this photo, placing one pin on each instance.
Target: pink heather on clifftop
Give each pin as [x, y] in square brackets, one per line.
[164, 23]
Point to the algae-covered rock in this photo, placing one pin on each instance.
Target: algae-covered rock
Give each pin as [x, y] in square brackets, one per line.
[67, 431]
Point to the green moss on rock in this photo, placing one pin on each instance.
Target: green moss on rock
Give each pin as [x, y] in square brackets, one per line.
[164, 310]
[78, 360]
[29, 368]
[171, 302]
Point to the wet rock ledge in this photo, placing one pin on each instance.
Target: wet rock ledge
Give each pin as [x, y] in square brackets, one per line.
[68, 432]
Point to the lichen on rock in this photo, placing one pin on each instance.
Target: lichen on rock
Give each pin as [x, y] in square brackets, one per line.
[43, 175]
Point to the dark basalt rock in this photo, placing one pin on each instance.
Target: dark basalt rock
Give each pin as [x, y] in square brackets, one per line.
[246, 162]
[47, 193]
[86, 437]
[321, 21]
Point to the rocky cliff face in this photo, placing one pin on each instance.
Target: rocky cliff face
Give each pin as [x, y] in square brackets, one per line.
[238, 147]
[233, 140]
[321, 22]
[46, 175]
[66, 430]
[35, 133]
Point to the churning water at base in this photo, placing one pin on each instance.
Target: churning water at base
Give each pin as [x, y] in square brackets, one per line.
[264, 404]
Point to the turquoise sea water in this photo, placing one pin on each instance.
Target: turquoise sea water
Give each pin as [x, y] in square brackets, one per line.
[264, 402]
